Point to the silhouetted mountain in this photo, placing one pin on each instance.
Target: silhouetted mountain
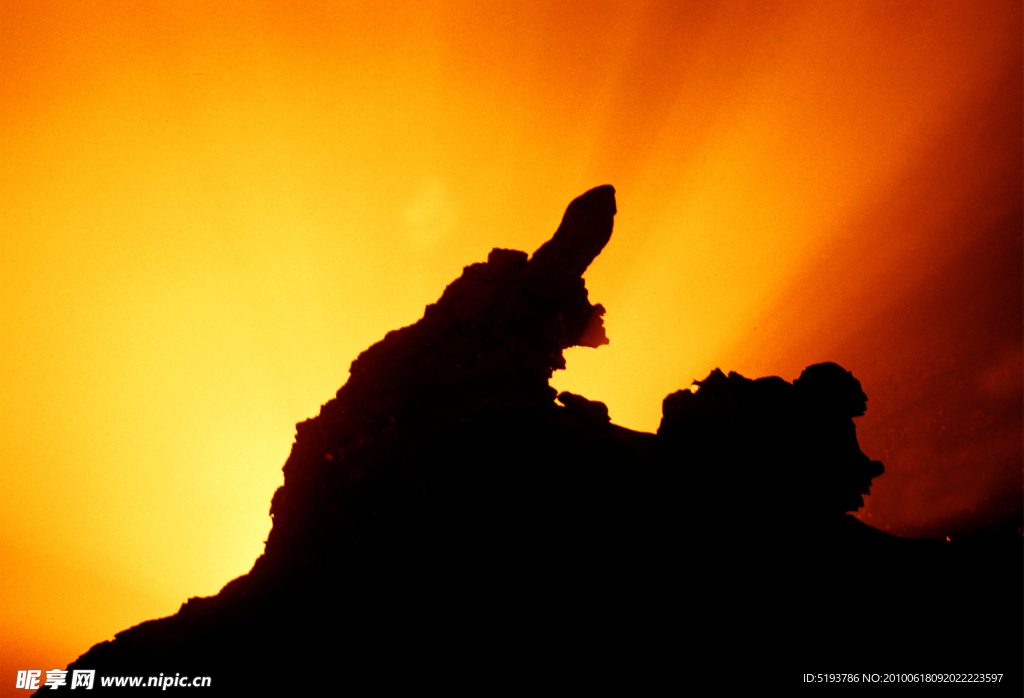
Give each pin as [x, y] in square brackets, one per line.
[447, 519]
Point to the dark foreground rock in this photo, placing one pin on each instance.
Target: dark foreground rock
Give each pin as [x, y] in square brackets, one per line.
[448, 520]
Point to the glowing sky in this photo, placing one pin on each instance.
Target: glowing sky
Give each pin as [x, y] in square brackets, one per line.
[209, 209]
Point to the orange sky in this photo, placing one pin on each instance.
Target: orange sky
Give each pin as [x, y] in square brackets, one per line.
[209, 209]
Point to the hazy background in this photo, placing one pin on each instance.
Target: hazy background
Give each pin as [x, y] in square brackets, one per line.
[209, 209]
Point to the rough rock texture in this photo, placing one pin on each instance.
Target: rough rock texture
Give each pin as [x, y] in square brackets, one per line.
[445, 519]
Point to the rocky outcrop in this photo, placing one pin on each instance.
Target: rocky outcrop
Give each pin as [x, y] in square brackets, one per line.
[447, 517]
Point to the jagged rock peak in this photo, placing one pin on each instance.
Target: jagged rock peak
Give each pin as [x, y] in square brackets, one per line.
[506, 320]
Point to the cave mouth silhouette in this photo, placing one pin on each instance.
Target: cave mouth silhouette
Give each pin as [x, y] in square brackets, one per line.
[448, 518]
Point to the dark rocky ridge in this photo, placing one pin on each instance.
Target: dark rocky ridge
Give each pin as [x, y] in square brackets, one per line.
[445, 518]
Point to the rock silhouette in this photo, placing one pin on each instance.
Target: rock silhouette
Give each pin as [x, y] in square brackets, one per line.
[448, 519]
